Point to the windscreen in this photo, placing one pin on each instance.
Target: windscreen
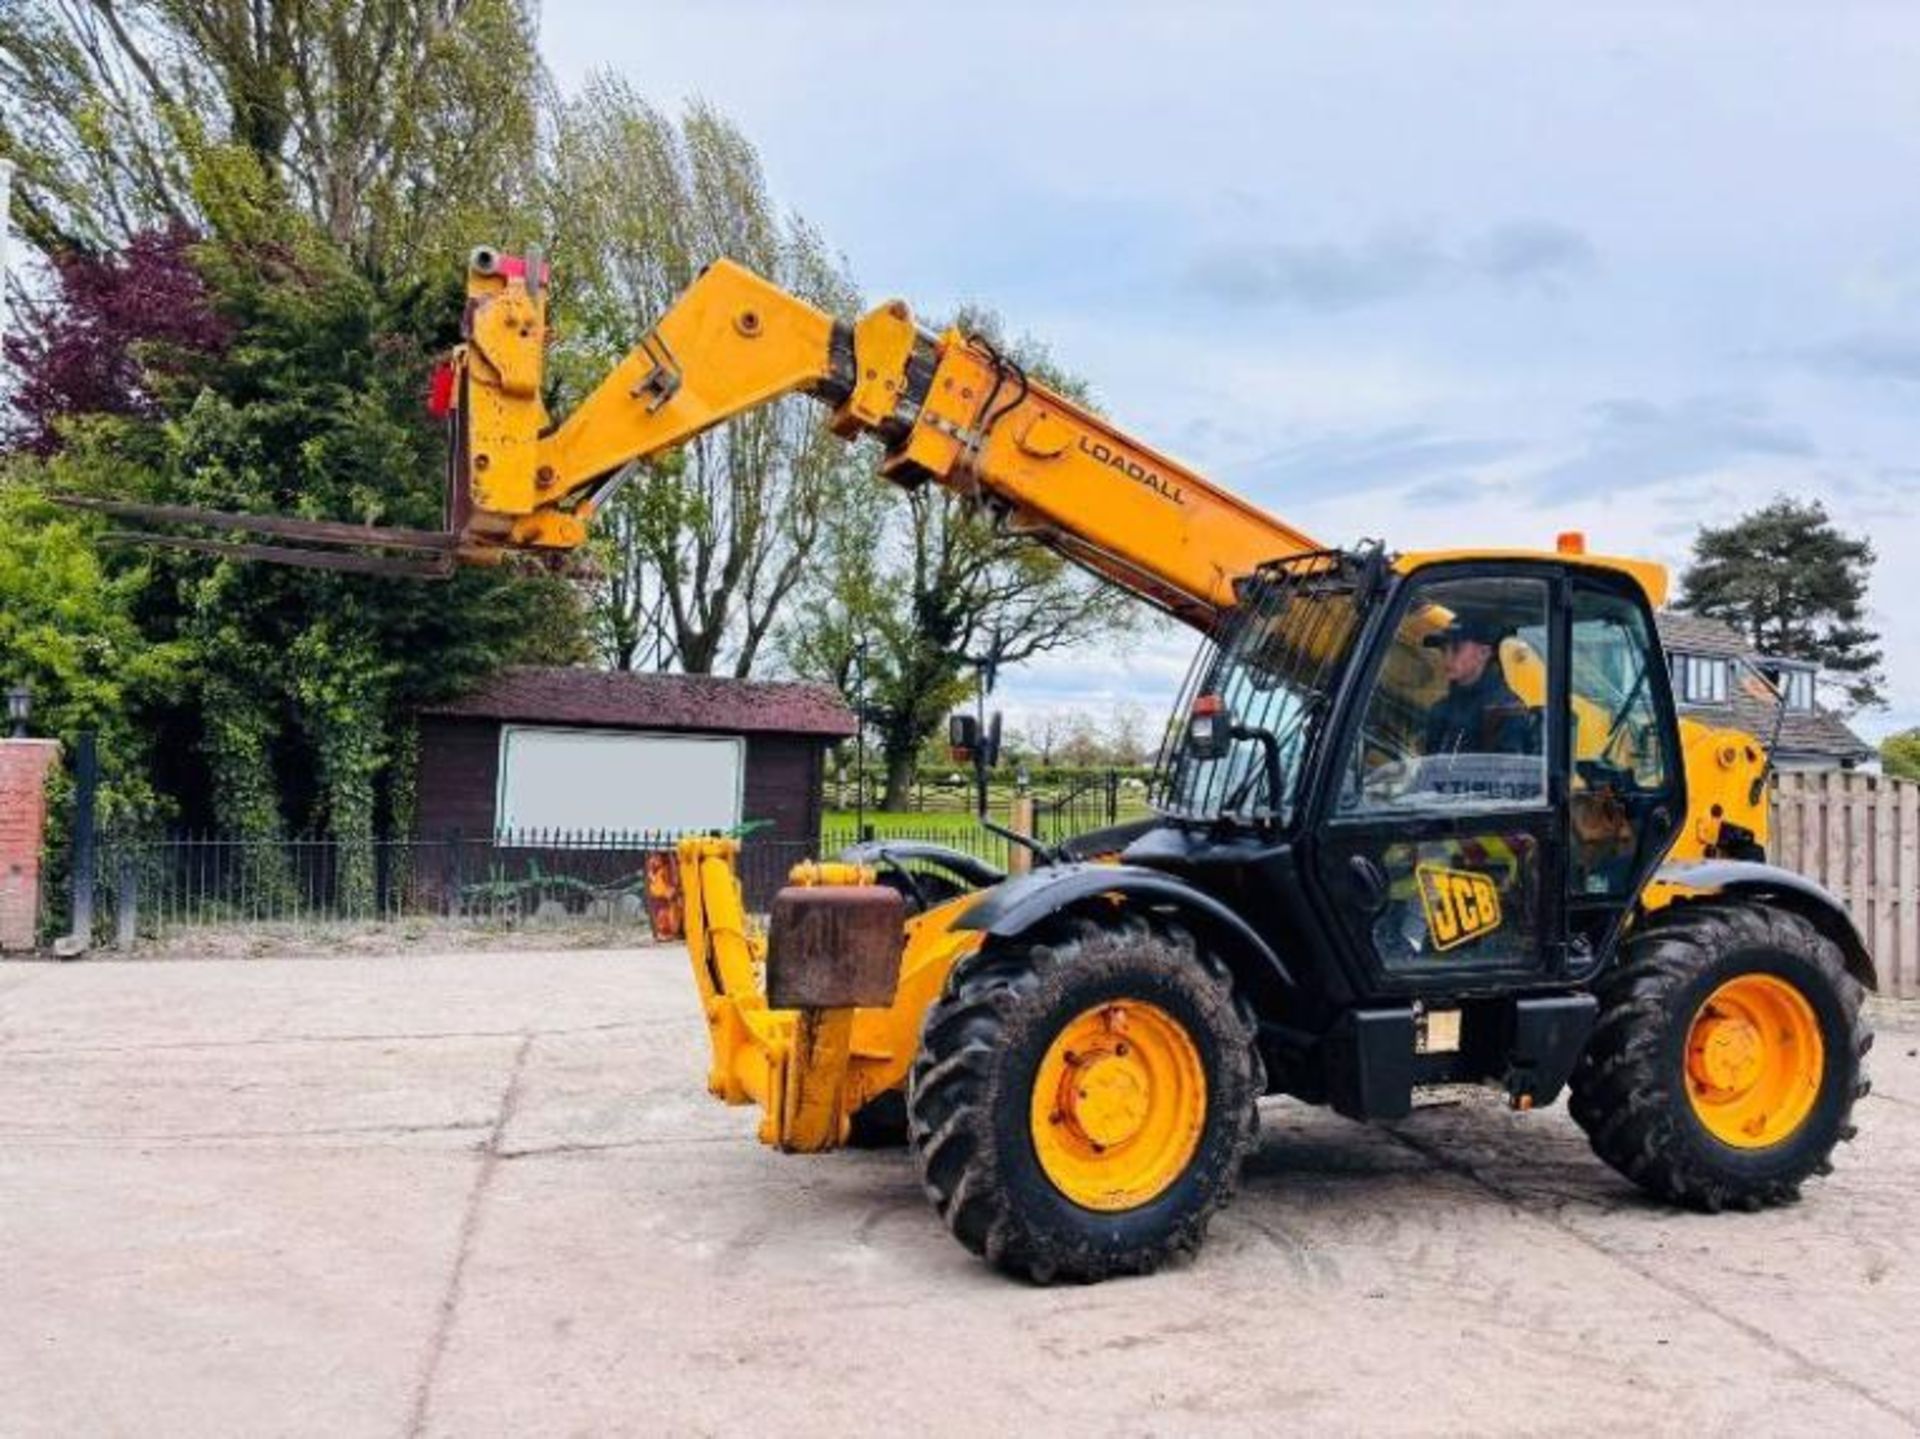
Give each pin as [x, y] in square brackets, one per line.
[1274, 665]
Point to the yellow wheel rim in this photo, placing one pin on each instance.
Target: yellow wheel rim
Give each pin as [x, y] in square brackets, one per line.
[1118, 1105]
[1754, 1061]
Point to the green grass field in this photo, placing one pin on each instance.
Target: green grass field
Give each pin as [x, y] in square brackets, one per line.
[961, 830]
[840, 828]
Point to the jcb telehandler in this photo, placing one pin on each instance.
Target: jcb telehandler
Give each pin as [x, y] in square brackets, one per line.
[1426, 818]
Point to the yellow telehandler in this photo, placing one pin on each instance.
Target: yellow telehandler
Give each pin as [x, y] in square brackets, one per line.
[1425, 818]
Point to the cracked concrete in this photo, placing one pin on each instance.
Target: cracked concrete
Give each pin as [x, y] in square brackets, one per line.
[488, 1195]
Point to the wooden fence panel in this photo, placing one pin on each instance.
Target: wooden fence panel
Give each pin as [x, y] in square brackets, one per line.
[1859, 836]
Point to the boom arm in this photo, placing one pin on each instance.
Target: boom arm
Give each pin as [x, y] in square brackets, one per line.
[945, 408]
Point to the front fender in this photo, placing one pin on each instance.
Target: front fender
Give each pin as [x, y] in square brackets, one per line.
[1014, 907]
[1695, 879]
[881, 852]
[928, 874]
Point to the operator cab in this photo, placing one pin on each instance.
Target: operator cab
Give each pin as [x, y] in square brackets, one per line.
[1426, 781]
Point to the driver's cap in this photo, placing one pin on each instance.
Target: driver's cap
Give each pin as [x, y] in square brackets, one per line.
[1467, 627]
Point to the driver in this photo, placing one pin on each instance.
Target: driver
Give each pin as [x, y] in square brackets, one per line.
[1480, 713]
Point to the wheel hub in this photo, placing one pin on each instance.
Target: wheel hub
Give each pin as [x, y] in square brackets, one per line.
[1119, 1102]
[1725, 1057]
[1755, 1060]
[1105, 1098]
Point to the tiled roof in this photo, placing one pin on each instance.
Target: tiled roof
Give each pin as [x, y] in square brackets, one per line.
[1698, 635]
[1802, 732]
[532, 694]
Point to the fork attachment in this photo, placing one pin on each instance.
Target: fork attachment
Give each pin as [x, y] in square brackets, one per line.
[323, 544]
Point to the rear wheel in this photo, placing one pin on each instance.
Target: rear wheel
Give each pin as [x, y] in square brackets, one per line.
[1082, 1101]
[1727, 1057]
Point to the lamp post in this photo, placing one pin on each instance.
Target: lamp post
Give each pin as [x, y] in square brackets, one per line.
[860, 741]
[19, 708]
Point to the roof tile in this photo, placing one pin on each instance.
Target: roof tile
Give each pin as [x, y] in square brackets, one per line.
[541, 694]
[1802, 732]
[1699, 635]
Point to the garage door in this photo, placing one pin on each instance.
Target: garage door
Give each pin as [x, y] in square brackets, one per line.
[571, 779]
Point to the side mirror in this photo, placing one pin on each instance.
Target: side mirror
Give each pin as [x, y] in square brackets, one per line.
[963, 736]
[1209, 728]
[965, 740]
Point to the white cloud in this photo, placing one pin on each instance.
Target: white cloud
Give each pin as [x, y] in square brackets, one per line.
[1731, 303]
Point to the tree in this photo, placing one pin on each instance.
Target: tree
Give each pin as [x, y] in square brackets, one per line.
[1795, 586]
[1085, 746]
[942, 600]
[710, 544]
[250, 214]
[307, 681]
[398, 126]
[111, 321]
[1043, 734]
[316, 411]
[1127, 733]
[69, 631]
[1900, 754]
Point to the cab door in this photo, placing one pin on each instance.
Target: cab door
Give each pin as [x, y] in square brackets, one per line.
[1440, 850]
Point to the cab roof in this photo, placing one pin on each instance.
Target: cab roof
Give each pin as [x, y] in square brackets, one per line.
[1649, 576]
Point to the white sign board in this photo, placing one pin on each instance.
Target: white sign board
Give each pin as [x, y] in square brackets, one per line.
[572, 779]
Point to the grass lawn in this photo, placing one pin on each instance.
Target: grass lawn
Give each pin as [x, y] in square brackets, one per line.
[906, 822]
[962, 831]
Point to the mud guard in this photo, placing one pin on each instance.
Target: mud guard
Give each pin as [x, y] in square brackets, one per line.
[1014, 907]
[943, 871]
[1783, 887]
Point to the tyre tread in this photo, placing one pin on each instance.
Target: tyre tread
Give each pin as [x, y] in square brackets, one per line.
[950, 1091]
[1623, 1095]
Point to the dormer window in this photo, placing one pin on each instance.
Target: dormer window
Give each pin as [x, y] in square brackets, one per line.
[1795, 683]
[1700, 679]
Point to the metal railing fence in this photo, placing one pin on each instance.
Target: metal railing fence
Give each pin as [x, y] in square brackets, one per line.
[151, 887]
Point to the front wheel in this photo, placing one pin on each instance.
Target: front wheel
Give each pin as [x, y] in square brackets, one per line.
[1082, 1101]
[1727, 1057]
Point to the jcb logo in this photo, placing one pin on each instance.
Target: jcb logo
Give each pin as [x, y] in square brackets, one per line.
[1460, 905]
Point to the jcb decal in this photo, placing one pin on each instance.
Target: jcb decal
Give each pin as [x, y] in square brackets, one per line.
[1460, 905]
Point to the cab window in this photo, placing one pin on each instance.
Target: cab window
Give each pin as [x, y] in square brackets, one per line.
[1623, 767]
[1455, 718]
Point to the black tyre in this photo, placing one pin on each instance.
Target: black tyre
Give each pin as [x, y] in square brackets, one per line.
[1727, 1057]
[1083, 1099]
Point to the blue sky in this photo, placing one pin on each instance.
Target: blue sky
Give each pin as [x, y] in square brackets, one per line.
[1438, 274]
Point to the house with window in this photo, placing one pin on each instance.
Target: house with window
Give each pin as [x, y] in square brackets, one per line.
[1712, 683]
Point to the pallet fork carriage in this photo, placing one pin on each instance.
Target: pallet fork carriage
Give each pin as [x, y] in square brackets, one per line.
[1422, 818]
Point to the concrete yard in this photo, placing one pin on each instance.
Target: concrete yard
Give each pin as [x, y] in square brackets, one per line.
[486, 1194]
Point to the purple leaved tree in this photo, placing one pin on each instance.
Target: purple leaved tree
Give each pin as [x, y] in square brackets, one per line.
[111, 324]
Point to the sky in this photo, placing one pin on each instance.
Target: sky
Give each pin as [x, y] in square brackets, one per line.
[1435, 274]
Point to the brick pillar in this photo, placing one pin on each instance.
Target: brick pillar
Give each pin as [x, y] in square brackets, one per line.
[24, 765]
